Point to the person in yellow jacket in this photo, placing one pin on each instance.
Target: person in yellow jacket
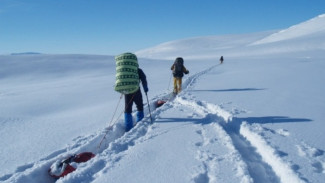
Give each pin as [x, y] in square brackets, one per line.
[179, 70]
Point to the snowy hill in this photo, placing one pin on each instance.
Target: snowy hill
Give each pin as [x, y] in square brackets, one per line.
[311, 28]
[201, 47]
[258, 117]
[307, 36]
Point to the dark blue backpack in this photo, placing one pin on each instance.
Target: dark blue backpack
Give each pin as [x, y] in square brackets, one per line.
[178, 67]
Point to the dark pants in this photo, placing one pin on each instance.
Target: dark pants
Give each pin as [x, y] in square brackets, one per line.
[135, 97]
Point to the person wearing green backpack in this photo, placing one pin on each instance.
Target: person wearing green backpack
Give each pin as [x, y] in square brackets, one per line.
[128, 78]
[136, 98]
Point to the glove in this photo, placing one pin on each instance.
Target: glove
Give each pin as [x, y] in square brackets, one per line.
[145, 88]
[186, 72]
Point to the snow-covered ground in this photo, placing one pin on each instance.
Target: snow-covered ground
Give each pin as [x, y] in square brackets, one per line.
[258, 117]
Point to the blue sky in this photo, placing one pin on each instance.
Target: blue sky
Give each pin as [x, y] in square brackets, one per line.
[111, 27]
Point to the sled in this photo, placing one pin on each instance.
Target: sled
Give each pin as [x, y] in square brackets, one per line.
[167, 98]
[62, 168]
[159, 103]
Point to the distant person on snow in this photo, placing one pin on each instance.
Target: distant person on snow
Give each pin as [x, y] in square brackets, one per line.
[221, 59]
[179, 70]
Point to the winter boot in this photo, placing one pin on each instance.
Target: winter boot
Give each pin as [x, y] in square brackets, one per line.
[140, 116]
[128, 121]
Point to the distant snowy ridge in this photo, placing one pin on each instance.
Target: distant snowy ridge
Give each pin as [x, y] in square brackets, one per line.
[313, 26]
[26, 53]
[309, 35]
[205, 46]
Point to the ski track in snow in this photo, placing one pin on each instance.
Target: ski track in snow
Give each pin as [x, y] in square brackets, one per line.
[254, 158]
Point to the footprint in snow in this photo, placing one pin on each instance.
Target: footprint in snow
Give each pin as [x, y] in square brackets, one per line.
[314, 155]
[283, 132]
[318, 167]
[308, 151]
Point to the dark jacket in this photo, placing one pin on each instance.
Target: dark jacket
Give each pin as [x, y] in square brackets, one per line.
[179, 74]
[143, 79]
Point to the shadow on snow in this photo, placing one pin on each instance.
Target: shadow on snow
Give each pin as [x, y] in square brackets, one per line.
[230, 90]
[236, 120]
[270, 119]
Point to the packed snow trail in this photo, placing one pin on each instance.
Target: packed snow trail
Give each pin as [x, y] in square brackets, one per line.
[173, 129]
[211, 147]
[206, 155]
[264, 161]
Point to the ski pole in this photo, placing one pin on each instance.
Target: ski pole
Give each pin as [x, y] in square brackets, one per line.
[149, 107]
[170, 78]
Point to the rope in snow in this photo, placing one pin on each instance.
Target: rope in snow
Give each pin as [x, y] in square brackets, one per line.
[110, 124]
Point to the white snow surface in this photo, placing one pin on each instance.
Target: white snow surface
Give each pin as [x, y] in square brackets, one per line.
[258, 117]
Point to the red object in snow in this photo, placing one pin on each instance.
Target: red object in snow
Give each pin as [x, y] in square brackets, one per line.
[83, 157]
[66, 170]
[62, 168]
[160, 103]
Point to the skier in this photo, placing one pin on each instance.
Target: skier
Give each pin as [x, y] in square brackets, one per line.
[221, 59]
[179, 70]
[128, 77]
[135, 97]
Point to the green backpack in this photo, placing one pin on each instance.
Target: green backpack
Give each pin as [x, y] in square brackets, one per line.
[127, 77]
